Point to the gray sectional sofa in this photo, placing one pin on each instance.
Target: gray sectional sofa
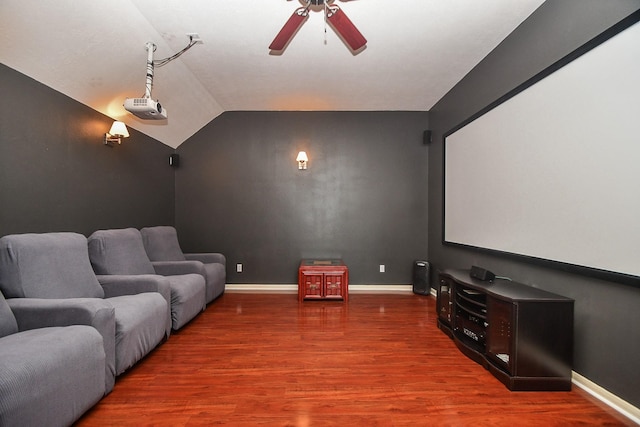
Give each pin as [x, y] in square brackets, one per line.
[71, 323]
[55, 267]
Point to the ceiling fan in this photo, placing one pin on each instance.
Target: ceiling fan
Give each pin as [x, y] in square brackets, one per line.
[338, 20]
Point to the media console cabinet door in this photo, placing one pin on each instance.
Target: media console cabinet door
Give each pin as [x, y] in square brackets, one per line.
[500, 339]
[443, 303]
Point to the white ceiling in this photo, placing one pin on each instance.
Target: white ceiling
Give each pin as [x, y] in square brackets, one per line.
[94, 52]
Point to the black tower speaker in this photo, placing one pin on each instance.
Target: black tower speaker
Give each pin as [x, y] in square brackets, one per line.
[421, 274]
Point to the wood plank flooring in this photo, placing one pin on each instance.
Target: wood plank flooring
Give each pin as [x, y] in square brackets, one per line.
[379, 360]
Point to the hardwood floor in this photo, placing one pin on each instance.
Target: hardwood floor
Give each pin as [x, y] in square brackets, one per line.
[380, 360]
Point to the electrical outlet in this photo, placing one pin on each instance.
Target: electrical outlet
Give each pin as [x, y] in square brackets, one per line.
[238, 268]
[381, 268]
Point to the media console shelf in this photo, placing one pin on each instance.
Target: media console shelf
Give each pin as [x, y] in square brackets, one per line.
[521, 334]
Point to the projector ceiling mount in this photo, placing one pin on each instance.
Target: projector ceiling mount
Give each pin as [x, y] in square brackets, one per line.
[333, 15]
[146, 108]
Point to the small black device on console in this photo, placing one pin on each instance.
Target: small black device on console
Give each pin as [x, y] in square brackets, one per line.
[481, 274]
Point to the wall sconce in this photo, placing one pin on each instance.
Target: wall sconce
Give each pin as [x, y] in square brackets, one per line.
[116, 133]
[302, 160]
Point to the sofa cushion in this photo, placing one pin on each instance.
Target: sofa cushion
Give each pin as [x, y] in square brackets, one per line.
[188, 298]
[161, 243]
[119, 252]
[50, 376]
[140, 326]
[8, 324]
[49, 265]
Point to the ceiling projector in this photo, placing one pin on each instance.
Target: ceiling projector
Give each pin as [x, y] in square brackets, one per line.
[145, 108]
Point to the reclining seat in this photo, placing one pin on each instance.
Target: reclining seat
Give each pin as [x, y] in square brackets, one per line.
[163, 249]
[56, 266]
[121, 252]
[49, 375]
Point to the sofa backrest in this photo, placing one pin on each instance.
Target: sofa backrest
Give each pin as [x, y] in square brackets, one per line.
[48, 265]
[8, 324]
[119, 252]
[161, 243]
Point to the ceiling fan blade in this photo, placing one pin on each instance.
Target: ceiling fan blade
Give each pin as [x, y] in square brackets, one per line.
[345, 28]
[290, 28]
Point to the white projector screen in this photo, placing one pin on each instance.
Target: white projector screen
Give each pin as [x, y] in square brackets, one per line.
[553, 172]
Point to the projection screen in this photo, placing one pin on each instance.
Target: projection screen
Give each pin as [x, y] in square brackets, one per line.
[552, 171]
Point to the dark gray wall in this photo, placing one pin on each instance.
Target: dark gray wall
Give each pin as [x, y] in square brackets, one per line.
[607, 319]
[56, 175]
[363, 198]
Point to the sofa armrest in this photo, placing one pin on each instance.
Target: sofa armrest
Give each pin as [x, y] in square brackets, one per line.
[207, 258]
[116, 285]
[34, 313]
[175, 268]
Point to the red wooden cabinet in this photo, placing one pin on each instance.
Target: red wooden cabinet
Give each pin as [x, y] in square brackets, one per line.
[323, 279]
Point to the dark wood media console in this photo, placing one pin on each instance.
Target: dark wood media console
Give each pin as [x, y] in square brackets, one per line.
[521, 334]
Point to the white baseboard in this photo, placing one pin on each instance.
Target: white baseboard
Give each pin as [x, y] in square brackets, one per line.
[257, 288]
[374, 289]
[293, 288]
[606, 397]
[621, 406]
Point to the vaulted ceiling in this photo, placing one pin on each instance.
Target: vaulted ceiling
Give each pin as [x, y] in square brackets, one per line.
[94, 52]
